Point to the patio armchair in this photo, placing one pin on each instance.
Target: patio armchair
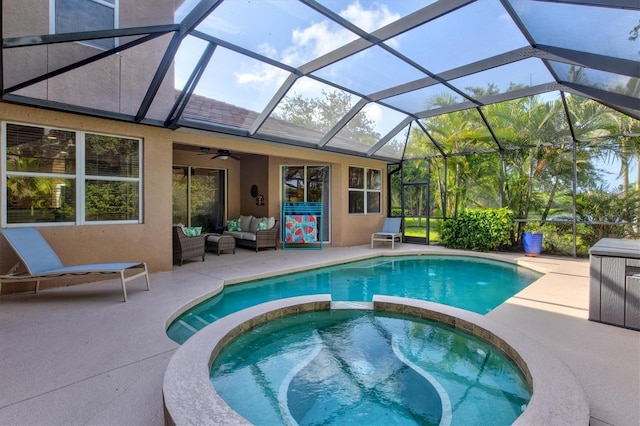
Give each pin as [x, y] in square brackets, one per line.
[186, 247]
[390, 232]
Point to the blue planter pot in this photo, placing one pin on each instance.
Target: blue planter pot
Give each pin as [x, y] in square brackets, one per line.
[532, 243]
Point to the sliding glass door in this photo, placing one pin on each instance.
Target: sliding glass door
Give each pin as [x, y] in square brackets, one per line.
[309, 184]
[199, 197]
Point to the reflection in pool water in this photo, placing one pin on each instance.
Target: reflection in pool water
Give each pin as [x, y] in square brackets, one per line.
[366, 368]
[471, 283]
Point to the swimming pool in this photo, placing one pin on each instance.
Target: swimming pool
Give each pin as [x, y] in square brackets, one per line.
[471, 283]
[366, 367]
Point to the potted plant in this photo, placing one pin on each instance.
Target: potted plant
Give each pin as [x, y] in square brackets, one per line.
[532, 239]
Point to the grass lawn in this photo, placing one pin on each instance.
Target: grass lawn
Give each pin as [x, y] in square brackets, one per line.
[415, 227]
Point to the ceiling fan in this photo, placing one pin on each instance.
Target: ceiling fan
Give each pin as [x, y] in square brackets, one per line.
[222, 154]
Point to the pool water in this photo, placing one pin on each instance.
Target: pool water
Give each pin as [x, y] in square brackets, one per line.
[475, 284]
[345, 367]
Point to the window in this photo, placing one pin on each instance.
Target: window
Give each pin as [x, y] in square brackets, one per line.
[63, 176]
[199, 197]
[69, 16]
[365, 190]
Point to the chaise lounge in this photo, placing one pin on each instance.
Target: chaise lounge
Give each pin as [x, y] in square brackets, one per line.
[40, 262]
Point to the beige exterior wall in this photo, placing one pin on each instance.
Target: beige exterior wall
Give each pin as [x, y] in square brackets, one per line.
[151, 240]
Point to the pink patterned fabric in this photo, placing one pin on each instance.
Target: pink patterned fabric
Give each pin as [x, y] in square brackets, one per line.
[300, 229]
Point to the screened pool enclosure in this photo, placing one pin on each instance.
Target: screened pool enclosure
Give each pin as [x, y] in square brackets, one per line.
[527, 104]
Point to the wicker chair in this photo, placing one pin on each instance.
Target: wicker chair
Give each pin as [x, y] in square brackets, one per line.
[186, 247]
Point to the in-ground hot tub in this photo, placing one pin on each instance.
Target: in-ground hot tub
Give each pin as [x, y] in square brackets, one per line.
[190, 397]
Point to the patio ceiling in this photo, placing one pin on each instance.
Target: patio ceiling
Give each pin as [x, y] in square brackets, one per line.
[262, 69]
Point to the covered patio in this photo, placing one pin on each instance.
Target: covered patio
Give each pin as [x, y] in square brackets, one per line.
[78, 355]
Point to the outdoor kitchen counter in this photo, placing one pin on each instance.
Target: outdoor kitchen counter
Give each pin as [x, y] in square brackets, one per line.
[614, 287]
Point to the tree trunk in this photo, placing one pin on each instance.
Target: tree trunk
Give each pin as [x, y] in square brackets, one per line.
[550, 201]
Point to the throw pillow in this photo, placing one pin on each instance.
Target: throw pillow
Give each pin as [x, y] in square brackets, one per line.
[271, 222]
[263, 225]
[233, 224]
[192, 231]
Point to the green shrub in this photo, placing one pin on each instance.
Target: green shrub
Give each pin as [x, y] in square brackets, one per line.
[480, 230]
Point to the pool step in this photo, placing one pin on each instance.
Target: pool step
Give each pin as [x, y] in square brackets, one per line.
[352, 305]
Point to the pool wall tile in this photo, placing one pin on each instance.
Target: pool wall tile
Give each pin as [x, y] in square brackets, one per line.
[482, 333]
[463, 325]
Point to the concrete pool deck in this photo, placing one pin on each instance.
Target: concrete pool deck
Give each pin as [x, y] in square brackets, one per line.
[79, 355]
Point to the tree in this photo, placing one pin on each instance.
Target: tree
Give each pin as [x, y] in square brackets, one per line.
[324, 112]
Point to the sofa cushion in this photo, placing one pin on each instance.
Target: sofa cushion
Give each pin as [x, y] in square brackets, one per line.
[245, 223]
[239, 235]
[255, 221]
[251, 236]
[271, 222]
[233, 224]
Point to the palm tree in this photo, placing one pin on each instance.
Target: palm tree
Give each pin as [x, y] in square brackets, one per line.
[29, 191]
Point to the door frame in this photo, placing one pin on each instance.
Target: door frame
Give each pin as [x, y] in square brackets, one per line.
[326, 198]
[411, 239]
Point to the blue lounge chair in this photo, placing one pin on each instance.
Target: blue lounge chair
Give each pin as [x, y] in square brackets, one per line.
[41, 262]
[390, 232]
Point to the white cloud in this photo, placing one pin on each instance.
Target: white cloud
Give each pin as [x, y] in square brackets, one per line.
[325, 36]
[369, 20]
[314, 41]
[373, 112]
[259, 74]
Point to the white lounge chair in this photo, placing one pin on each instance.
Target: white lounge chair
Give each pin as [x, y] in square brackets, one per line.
[41, 262]
[390, 232]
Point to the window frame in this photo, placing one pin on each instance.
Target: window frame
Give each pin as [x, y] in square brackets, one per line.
[116, 21]
[80, 177]
[326, 197]
[365, 189]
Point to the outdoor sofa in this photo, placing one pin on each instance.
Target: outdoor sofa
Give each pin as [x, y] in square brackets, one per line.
[253, 232]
